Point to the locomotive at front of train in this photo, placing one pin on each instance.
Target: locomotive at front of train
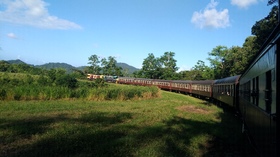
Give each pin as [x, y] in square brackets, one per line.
[259, 99]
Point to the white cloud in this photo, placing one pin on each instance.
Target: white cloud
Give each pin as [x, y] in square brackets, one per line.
[33, 13]
[243, 3]
[210, 17]
[12, 35]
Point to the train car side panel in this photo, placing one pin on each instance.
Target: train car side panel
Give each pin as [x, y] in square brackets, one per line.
[202, 88]
[257, 100]
[181, 86]
[225, 90]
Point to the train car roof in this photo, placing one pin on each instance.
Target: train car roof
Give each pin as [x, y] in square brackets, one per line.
[203, 82]
[127, 77]
[231, 79]
[143, 79]
[182, 81]
[159, 80]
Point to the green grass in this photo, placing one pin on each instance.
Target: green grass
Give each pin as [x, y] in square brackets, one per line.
[171, 125]
[17, 86]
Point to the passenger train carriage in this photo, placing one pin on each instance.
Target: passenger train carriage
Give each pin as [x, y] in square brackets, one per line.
[202, 88]
[259, 99]
[225, 90]
[253, 94]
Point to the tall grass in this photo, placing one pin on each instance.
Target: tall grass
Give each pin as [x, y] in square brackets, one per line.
[27, 87]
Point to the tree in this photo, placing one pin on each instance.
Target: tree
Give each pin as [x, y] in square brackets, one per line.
[151, 67]
[270, 2]
[109, 67]
[104, 64]
[241, 57]
[218, 61]
[202, 72]
[54, 74]
[264, 27]
[94, 64]
[4, 66]
[67, 80]
[168, 63]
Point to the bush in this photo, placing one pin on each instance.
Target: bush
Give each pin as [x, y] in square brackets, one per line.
[67, 81]
[43, 80]
[99, 82]
[3, 94]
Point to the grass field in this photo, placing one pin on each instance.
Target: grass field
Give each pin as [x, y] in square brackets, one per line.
[171, 125]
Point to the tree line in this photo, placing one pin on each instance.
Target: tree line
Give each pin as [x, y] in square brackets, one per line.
[224, 61]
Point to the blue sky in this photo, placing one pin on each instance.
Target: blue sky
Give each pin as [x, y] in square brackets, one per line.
[70, 31]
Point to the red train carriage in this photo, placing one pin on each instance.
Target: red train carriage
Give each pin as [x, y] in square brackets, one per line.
[163, 84]
[225, 90]
[202, 88]
[143, 82]
[259, 99]
[125, 80]
[181, 86]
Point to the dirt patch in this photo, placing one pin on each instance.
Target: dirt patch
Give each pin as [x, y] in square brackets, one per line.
[193, 109]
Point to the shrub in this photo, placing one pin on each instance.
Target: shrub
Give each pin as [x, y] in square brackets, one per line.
[99, 82]
[67, 81]
[3, 94]
[43, 80]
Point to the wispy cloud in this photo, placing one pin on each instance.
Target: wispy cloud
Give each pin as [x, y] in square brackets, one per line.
[33, 13]
[243, 3]
[210, 17]
[12, 35]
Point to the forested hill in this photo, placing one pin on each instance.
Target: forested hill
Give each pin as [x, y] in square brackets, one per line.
[66, 66]
[17, 61]
[70, 68]
[130, 68]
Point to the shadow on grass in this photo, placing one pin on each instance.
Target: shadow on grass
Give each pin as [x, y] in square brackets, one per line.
[84, 136]
[107, 134]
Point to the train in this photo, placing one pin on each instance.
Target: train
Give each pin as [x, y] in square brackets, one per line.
[253, 94]
[106, 78]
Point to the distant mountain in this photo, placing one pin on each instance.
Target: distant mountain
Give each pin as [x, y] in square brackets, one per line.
[125, 66]
[69, 68]
[65, 66]
[82, 68]
[17, 61]
[56, 65]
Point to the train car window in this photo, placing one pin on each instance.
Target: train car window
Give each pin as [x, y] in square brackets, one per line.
[242, 90]
[231, 90]
[262, 86]
[273, 89]
[255, 91]
[247, 91]
[268, 92]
